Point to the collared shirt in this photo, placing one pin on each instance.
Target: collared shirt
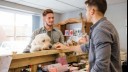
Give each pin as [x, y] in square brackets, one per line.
[55, 35]
[103, 48]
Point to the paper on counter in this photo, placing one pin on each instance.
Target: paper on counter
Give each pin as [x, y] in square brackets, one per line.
[5, 62]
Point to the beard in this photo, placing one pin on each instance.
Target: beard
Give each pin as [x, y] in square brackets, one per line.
[50, 25]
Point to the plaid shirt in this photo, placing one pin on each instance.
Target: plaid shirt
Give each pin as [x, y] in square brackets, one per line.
[55, 35]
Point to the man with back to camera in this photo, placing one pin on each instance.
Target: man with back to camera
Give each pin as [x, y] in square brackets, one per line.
[54, 34]
[103, 47]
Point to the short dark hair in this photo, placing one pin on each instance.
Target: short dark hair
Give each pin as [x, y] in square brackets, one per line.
[100, 4]
[47, 11]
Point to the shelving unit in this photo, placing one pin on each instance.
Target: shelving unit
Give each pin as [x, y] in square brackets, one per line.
[85, 25]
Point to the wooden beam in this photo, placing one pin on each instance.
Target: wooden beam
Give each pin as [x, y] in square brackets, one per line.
[31, 61]
[20, 60]
[39, 53]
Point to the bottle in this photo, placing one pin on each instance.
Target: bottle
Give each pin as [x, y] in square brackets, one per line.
[26, 69]
[45, 69]
[39, 68]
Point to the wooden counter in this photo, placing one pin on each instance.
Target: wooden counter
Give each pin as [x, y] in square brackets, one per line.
[21, 60]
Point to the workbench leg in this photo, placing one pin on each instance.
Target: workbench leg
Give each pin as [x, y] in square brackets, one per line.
[34, 68]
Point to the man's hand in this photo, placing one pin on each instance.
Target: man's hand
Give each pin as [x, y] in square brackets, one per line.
[70, 48]
[60, 46]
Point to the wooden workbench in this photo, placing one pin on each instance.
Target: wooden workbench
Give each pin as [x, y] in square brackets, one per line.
[33, 59]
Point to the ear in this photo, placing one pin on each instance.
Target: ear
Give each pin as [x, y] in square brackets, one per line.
[92, 11]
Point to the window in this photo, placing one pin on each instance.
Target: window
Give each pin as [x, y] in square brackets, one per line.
[17, 27]
[23, 28]
[7, 22]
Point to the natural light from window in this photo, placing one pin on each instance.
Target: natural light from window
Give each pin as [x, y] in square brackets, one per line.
[18, 29]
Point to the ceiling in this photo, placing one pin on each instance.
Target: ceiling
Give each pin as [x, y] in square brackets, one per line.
[59, 6]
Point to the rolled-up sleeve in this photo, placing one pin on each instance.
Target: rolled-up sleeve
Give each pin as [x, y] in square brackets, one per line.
[102, 41]
[27, 49]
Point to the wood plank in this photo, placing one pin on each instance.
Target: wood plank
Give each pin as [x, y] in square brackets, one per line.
[39, 53]
[72, 59]
[31, 61]
[34, 68]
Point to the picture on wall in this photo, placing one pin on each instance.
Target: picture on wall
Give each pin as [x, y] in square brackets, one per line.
[77, 32]
[71, 32]
[67, 33]
[74, 32]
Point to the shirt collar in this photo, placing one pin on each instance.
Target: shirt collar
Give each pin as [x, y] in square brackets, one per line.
[43, 29]
[98, 22]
